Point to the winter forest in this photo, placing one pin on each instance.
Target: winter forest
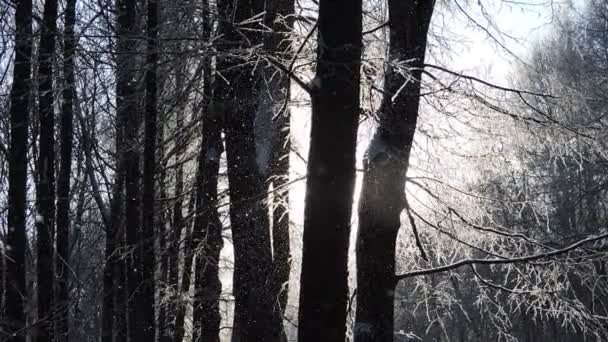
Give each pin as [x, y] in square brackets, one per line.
[303, 170]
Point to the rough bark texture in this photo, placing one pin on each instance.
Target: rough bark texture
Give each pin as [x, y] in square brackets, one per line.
[253, 317]
[45, 187]
[146, 303]
[17, 177]
[386, 162]
[330, 173]
[63, 182]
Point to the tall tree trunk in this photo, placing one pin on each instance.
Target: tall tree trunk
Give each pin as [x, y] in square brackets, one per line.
[146, 301]
[45, 188]
[253, 313]
[386, 162]
[331, 172]
[128, 123]
[207, 235]
[275, 112]
[17, 177]
[63, 183]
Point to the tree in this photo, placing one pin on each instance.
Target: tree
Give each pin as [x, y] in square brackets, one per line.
[45, 187]
[275, 116]
[330, 172]
[63, 183]
[146, 302]
[254, 319]
[16, 237]
[386, 162]
[207, 232]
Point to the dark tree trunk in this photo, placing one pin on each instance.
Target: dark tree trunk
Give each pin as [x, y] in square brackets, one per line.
[145, 304]
[386, 162]
[253, 317]
[63, 183]
[331, 173]
[207, 233]
[275, 111]
[17, 177]
[45, 188]
[121, 289]
[128, 123]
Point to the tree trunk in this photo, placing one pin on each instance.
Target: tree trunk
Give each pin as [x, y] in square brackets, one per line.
[63, 184]
[207, 232]
[253, 317]
[331, 173]
[275, 112]
[145, 304]
[386, 162]
[128, 123]
[17, 163]
[45, 188]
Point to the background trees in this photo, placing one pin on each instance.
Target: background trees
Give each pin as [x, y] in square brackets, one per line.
[184, 186]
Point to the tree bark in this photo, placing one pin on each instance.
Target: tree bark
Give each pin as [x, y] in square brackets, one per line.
[128, 124]
[236, 100]
[331, 172]
[17, 163]
[275, 111]
[386, 162]
[146, 302]
[63, 183]
[45, 188]
[207, 232]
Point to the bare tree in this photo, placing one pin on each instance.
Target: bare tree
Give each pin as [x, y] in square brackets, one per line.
[331, 172]
[234, 97]
[45, 187]
[146, 304]
[19, 113]
[275, 94]
[386, 162]
[62, 300]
